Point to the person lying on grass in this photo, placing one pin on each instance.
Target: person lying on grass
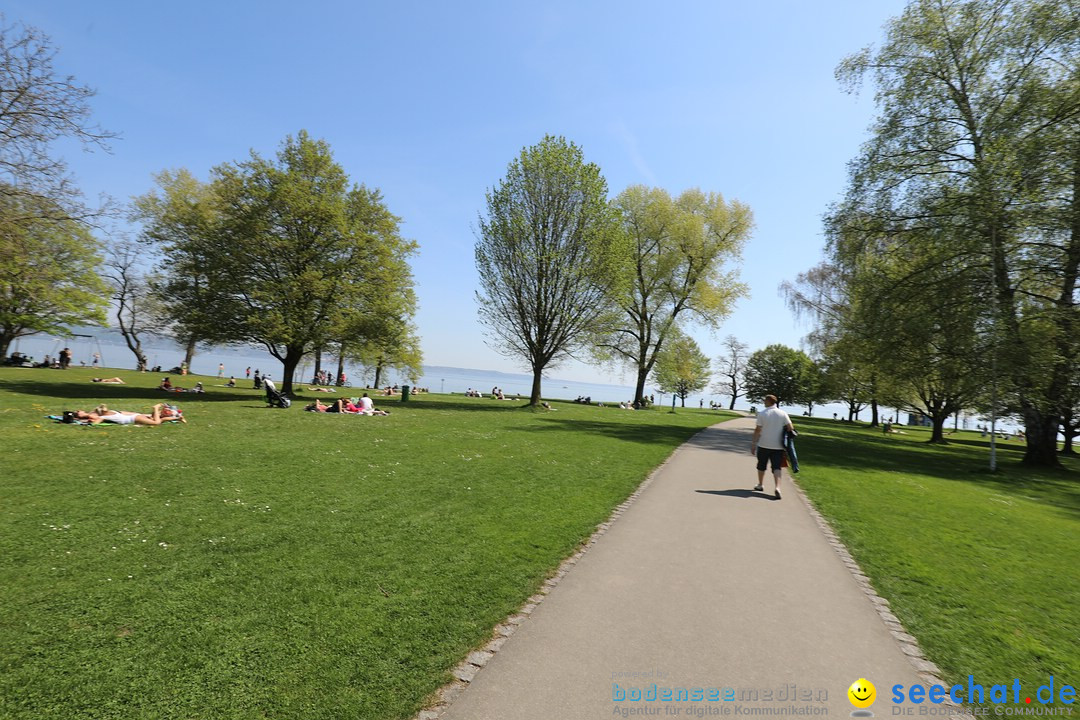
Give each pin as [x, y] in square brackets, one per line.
[109, 381]
[338, 406]
[162, 414]
[344, 405]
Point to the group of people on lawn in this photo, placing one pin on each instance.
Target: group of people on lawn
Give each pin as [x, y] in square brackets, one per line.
[362, 406]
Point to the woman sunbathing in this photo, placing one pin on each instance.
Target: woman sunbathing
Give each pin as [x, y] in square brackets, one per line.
[162, 414]
[341, 405]
[109, 381]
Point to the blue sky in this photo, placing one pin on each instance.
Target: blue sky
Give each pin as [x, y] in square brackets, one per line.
[430, 102]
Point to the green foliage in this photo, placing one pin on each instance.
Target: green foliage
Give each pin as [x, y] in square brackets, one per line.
[548, 255]
[180, 221]
[295, 565]
[49, 268]
[678, 252]
[283, 253]
[975, 160]
[785, 372]
[681, 368]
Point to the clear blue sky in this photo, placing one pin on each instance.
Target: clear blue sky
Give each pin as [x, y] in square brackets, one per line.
[431, 101]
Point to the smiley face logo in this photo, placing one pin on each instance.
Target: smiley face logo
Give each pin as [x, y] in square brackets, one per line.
[862, 693]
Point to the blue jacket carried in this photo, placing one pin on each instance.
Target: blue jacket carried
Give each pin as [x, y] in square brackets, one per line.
[789, 448]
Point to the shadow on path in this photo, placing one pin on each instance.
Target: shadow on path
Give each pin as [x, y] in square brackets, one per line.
[738, 493]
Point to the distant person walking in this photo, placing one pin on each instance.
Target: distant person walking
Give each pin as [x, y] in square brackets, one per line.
[97, 360]
[247, 373]
[768, 442]
[221, 370]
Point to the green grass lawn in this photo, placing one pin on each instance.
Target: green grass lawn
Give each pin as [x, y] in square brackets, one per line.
[275, 563]
[982, 568]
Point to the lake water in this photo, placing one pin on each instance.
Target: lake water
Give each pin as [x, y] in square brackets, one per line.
[115, 354]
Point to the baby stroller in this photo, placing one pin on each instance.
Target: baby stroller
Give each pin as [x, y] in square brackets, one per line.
[273, 397]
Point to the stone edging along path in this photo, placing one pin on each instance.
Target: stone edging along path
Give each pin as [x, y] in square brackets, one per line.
[928, 672]
[466, 671]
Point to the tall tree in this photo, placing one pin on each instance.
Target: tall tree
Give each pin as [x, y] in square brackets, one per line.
[134, 303]
[548, 255]
[781, 371]
[37, 108]
[679, 248]
[49, 271]
[681, 368]
[290, 238]
[732, 367]
[979, 109]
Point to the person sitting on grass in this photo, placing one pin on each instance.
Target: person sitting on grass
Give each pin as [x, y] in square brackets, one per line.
[231, 383]
[108, 381]
[166, 385]
[367, 407]
[102, 414]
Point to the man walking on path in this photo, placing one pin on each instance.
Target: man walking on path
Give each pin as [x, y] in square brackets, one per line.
[768, 442]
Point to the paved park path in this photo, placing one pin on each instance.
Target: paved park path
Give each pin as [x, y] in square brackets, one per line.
[701, 583]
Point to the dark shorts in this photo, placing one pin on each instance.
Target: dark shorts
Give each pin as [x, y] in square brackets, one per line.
[768, 455]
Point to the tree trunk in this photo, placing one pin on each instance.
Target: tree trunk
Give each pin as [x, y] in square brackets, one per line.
[293, 356]
[5, 343]
[937, 435]
[731, 406]
[1069, 431]
[135, 346]
[189, 350]
[534, 394]
[873, 412]
[318, 364]
[810, 409]
[340, 367]
[1041, 436]
[639, 387]
[378, 374]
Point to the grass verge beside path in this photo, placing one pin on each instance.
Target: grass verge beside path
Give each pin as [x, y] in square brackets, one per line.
[275, 563]
[980, 567]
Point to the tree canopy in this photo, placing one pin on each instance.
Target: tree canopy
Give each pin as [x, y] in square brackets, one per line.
[678, 252]
[49, 271]
[681, 368]
[548, 254]
[282, 252]
[974, 166]
[782, 371]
